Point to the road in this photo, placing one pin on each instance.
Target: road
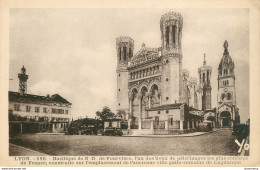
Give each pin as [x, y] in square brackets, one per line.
[217, 143]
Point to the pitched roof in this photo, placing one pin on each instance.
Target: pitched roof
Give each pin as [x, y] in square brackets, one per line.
[191, 115]
[31, 98]
[144, 55]
[165, 107]
[222, 104]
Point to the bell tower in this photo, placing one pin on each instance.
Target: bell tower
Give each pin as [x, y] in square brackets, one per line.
[227, 112]
[226, 78]
[125, 49]
[23, 81]
[205, 77]
[171, 33]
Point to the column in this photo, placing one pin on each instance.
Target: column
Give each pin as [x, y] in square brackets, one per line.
[160, 99]
[188, 124]
[151, 124]
[149, 100]
[130, 114]
[181, 124]
[192, 123]
[164, 38]
[197, 123]
[166, 125]
[140, 111]
[176, 34]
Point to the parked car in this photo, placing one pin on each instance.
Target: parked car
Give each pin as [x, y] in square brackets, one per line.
[113, 131]
[205, 126]
[73, 131]
[240, 130]
[91, 130]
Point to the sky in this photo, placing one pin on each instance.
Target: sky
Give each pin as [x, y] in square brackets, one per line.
[72, 52]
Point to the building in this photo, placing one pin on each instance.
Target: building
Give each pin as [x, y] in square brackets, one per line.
[205, 81]
[227, 112]
[153, 89]
[34, 113]
[205, 77]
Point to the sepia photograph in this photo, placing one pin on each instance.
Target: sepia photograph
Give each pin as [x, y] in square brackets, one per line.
[132, 81]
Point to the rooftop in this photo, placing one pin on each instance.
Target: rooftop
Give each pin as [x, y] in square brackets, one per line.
[31, 98]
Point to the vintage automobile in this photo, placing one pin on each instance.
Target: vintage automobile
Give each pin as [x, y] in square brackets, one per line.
[113, 131]
[86, 126]
[240, 130]
[73, 131]
[90, 130]
[205, 126]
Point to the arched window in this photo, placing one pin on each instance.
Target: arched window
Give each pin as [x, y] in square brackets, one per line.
[222, 96]
[155, 100]
[144, 99]
[225, 71]
[173, 35]
[228, 96]
[167, 35]
[203, 77]
[135, 102]
[119, 51]
[124, 53]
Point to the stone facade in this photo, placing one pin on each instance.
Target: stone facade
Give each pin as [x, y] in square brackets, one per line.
[153, 78]
[227, 112]
[205, 77]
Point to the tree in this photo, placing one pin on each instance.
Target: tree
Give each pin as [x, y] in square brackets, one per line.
[105, 113]
[121, 113]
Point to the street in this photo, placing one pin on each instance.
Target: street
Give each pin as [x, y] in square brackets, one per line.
[216, 143]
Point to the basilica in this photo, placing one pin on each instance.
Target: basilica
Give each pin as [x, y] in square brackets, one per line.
[156, 93]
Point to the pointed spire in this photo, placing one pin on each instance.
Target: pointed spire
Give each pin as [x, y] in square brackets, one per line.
[204, 62]
[225, 47]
